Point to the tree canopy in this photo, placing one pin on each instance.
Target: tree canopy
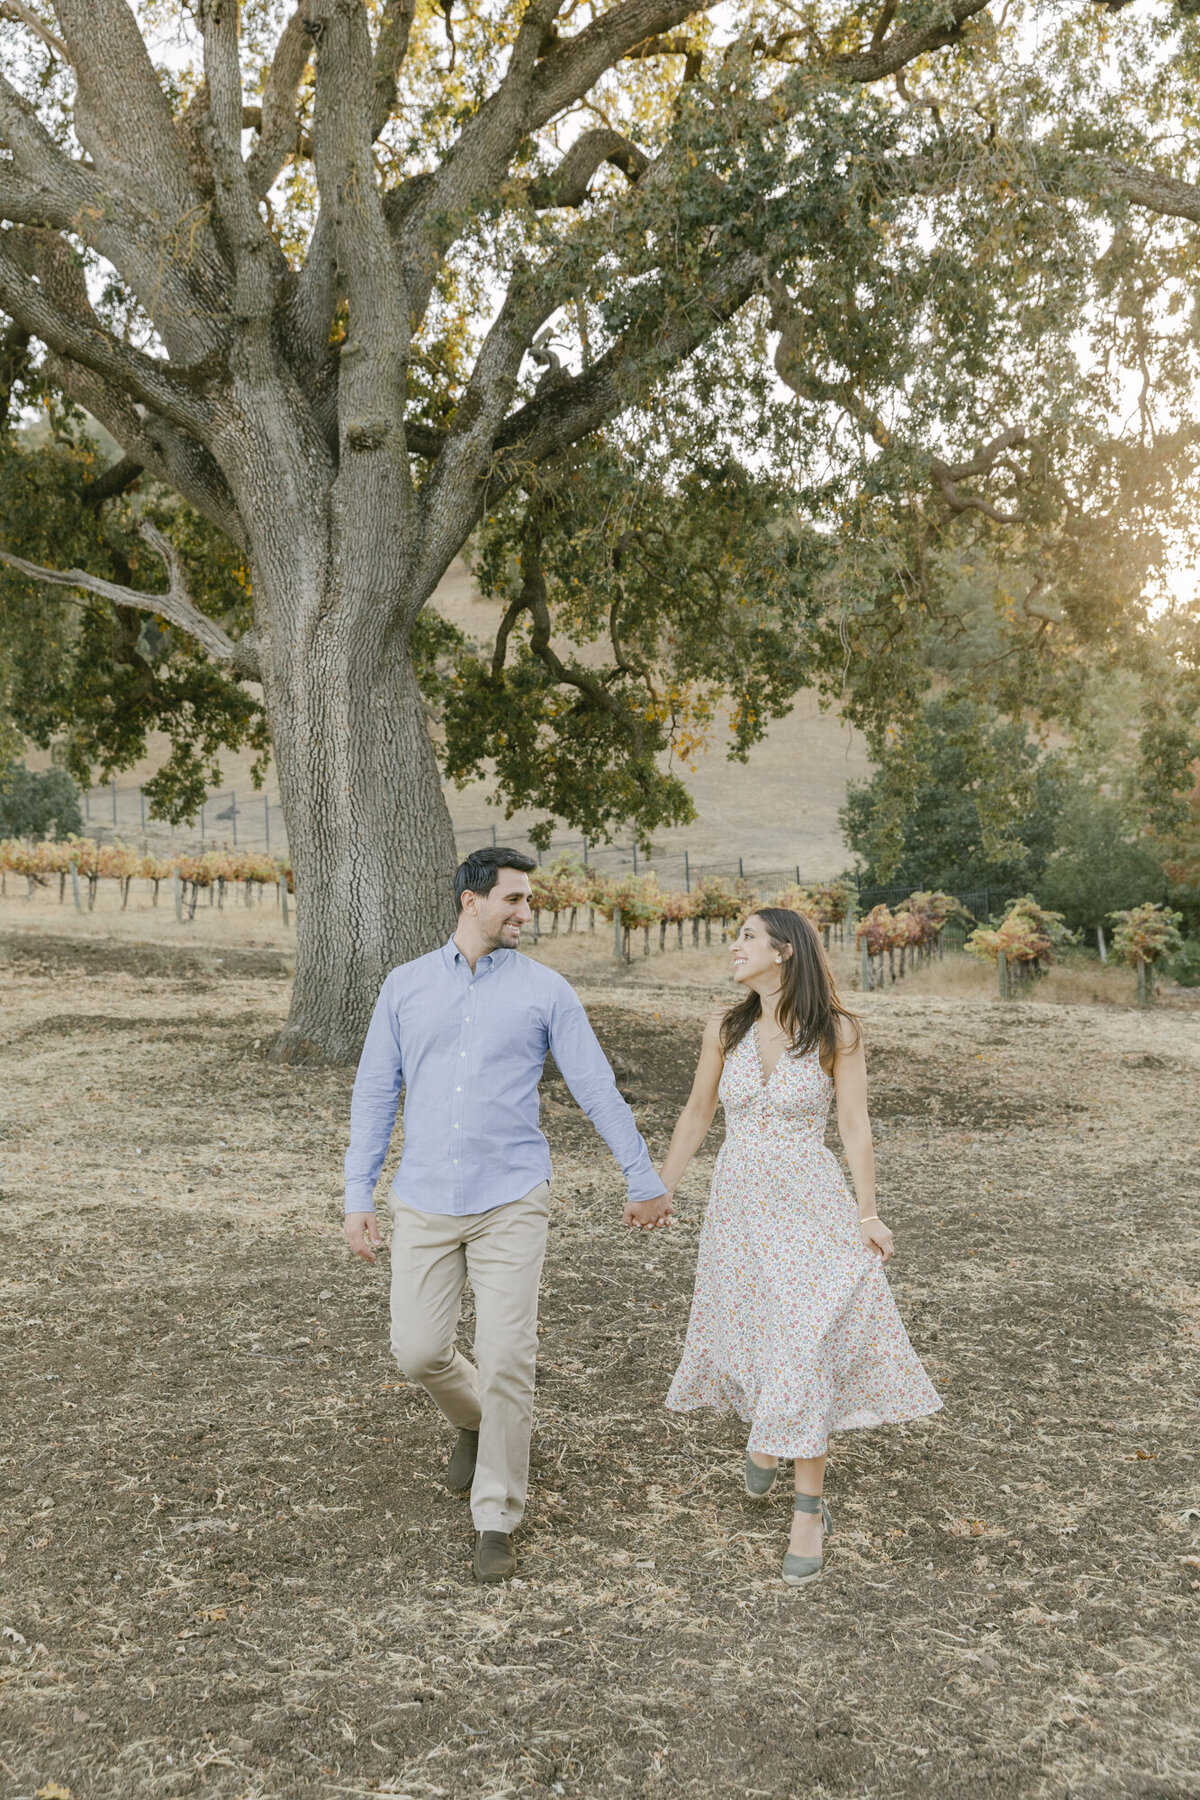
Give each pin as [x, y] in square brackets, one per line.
[808, 341]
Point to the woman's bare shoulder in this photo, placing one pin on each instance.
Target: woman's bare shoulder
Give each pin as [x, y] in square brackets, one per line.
[714, 1019]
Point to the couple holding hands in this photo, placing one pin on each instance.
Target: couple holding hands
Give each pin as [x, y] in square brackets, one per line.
[793, 1325]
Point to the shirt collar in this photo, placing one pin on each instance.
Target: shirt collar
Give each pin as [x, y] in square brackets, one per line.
[454, 958]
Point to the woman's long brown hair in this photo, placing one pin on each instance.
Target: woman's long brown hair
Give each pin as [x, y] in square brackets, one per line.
[809, 1007]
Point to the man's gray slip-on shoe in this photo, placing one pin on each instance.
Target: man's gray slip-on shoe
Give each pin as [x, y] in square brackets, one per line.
[495, 1557]
[460, 1470]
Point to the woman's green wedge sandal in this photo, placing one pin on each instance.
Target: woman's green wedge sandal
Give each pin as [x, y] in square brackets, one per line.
[797, 1570]
[759, 1482]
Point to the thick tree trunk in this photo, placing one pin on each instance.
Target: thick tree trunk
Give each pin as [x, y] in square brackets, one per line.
[369, 832]
[370, 835]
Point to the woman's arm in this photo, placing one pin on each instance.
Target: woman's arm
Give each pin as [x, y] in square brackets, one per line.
[854, 1128]
[691, 1128]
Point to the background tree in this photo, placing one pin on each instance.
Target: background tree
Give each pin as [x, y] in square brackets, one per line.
[306, 281]
[1100, 864]
[38, 806]
[984, 811]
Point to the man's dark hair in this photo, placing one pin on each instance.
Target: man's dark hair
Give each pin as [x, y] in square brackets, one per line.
[481, 871]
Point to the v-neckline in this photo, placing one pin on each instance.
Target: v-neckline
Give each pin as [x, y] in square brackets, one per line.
[764, 1080]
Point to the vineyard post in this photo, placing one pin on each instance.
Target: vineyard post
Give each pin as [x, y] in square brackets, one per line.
[865, 980]
[1145, 986]
[1100, 944]
[75, 894]
[1002, 971]
[283, 897]
[267, 821]
[618, 938]
[177, 885]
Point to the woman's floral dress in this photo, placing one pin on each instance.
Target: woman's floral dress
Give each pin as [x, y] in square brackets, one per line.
[793, 1324]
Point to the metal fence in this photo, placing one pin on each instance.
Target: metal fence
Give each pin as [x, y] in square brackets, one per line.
[248, 820]
[253, 821]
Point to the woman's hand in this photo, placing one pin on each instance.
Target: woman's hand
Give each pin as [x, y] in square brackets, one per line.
[649, 1215]
[876, 1236]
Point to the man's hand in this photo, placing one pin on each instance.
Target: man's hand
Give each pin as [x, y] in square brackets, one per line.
[362, 1234]
[648, 1215]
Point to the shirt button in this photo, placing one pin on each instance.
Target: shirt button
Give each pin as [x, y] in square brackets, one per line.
[467, 1019]
[458, 1090]
[462, 1053]
[456, 1128]
[456, 1162]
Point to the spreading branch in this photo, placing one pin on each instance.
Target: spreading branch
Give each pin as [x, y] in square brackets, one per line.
[568, 185]
[391, 47]
[175, 606]
[279, 124]
[116, 479]
[533, 599]
[1106, 177]
[85, 342]
[121, 115]
[172, 456]
[25, 15]
[948, 476]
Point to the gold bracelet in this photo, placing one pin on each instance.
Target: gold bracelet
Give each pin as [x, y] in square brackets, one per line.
[868, 1217]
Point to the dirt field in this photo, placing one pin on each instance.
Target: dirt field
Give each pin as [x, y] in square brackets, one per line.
[228, 1566]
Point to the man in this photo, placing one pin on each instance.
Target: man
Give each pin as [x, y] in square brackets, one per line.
[466, 1030]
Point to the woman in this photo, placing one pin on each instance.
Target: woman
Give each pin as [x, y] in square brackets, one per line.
[793, 1324]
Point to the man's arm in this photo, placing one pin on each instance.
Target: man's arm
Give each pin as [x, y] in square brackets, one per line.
[588, 1073]
[372, 1116]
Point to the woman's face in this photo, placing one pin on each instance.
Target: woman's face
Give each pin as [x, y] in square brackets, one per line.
[756, 960]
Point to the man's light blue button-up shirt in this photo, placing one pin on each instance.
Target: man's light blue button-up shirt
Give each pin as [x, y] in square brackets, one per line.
[469, 1051]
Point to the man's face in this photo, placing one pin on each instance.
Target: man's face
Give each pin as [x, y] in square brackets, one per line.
[499, 916]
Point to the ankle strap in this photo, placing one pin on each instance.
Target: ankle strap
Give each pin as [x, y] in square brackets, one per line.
[814, 1503]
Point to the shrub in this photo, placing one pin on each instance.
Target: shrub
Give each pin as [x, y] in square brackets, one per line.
[1146, 934]
[1029, 935]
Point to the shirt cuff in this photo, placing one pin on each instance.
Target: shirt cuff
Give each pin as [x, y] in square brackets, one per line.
[645, 1187]
[360, 1202]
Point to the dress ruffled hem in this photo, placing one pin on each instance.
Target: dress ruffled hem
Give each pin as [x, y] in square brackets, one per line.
[779, 1438]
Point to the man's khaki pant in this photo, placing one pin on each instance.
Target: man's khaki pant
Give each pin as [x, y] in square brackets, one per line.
[502, 1251]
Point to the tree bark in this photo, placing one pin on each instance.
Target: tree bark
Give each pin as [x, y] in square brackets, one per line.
[371, 840]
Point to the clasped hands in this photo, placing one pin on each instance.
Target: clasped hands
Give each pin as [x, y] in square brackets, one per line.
[648, 1215]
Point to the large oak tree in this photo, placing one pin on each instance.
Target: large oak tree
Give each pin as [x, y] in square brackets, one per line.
[308, 285]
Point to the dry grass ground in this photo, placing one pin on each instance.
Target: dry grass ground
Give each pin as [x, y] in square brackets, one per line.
[229, 1569]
